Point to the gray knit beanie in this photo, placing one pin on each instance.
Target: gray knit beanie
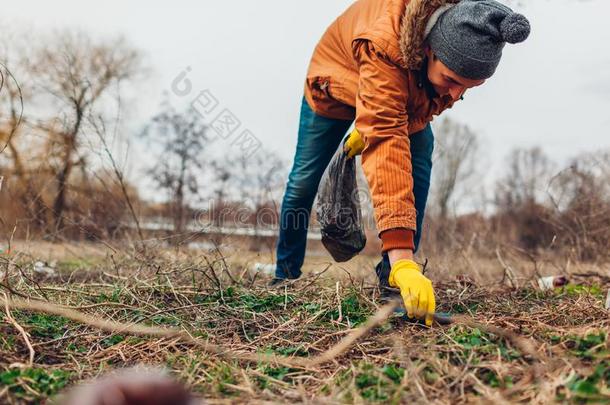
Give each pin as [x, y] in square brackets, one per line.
[469, 36]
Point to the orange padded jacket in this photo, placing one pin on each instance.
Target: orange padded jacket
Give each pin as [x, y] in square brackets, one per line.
[369, 67]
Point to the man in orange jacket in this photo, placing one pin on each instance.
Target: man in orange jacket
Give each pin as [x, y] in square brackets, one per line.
[390, 66]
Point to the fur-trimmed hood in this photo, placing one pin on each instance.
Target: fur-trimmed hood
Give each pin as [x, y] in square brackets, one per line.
[413, 28]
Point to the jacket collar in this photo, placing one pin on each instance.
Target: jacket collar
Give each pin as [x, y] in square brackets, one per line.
[413, 30]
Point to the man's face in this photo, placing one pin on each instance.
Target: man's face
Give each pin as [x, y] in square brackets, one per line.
[446, 81]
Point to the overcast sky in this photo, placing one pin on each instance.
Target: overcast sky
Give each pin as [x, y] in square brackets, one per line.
[552, 91]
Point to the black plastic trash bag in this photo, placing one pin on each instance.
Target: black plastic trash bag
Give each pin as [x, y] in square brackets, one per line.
[338, 209]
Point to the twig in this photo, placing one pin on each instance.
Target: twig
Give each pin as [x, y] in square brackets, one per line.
[508, 271]
[171, 333]
[22, 331]
[337, 350]
[525, 345]
[17, 122]
[314, 278]
[120, 178]
[339, 306]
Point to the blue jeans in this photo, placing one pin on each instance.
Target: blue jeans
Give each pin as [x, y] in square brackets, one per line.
[318, 140]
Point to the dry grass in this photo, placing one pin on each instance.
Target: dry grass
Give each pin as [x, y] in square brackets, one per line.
[508, 344]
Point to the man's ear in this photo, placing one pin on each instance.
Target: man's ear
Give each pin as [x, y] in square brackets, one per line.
[428, 51]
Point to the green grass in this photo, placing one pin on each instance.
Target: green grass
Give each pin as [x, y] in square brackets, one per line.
[112, 340]
[470, 308]
[43, 325]
[114, 296]
[354, 312]
[239, 298]
[221, 377]
[263, 303]
[274, 373]
[374, 383]
[491, 378]
[593, 388]
[165, 320]
[44, 383]
[289, 351]
[7, 342]
[579, 290]
[75, 264]
[588, 347]
[72, 347]
[480, 345]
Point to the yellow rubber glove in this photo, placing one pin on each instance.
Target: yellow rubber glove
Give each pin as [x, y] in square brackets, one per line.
[415, 288]
[354, 145]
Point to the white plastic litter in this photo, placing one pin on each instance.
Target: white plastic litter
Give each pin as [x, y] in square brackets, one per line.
[44, 269]
[550, 282]
[608, 300]
[264, 268]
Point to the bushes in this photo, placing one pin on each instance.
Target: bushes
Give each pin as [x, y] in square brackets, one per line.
[536, 208]
[95, 210]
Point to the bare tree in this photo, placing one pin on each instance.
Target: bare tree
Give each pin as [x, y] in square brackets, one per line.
[522, 216]
[128, 194]
[222, 176]
[580, 196]
[247, 192]
[455, 164]
[528, 176]
[14, 91]
[19, 140]
[251, 182]
[261, 175]
[182, 138]
[77, 72]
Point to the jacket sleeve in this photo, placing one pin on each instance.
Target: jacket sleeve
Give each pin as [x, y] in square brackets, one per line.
[381, 118]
